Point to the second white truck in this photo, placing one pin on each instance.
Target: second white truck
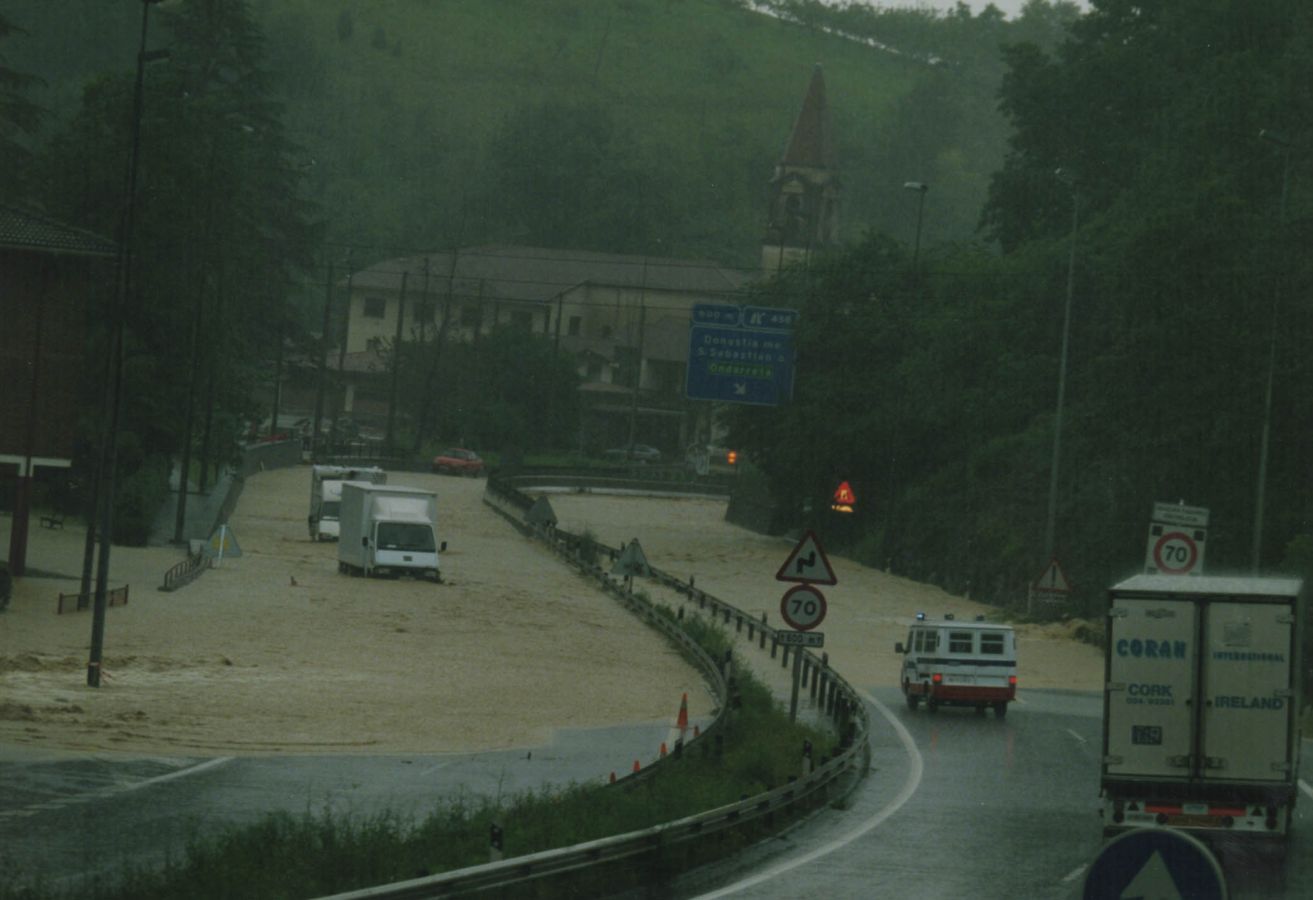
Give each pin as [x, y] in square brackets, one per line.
[1202, 704]
[389, 530]
[326, 495]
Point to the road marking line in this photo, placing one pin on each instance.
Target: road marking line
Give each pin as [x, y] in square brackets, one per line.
[909, 788]
[181, 773]
[1304, 786]
[1073, 874]
[1077, 736]
[111, 790]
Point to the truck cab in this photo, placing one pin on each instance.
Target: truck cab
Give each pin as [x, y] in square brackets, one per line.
[948, 662]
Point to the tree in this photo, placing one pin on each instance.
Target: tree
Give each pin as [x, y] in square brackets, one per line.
[19, 120]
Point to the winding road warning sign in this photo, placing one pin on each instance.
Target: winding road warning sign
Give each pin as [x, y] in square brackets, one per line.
[807, 564]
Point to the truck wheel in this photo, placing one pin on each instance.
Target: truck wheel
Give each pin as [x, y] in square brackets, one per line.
[980, 709]
[931, 704]
[1001, 708]
[913, 701]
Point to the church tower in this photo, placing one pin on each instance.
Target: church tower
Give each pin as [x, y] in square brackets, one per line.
[804, 191]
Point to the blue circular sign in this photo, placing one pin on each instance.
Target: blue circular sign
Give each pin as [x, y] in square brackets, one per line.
[1155, 862]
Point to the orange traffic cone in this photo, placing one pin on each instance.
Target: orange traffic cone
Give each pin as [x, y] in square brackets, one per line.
[682, 722]
[612, 778]
[663, 749]
[637, 766]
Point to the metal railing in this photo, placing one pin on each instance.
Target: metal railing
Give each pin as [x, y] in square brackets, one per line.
[838, 698]
[185, 572]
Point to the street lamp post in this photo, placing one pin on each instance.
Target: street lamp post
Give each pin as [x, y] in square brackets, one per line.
[109, 450]
[1051, 518]
[1260, 490]
[920, 187]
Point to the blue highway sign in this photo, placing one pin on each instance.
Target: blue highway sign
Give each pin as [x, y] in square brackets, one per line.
[740, 354]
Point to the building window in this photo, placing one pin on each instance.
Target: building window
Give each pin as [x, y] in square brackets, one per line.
[470, 316]
[375, 307]
[576, 326]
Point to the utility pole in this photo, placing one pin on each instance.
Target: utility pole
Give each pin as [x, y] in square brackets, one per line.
[341, 351]
[1051, 519]
[114, 386]
[396, 364]
[638, 365]
[1260, 491]
[323, 364]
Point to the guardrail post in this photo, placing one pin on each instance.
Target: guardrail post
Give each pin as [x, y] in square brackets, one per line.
[774, 645]
[806, 758]
[806, 668]
[495, 851]
[763, 632]
[818, 684]
[785, 654]
[738, 624]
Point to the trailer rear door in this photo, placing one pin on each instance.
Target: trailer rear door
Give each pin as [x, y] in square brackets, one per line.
[1150, 687]
[1248, 703]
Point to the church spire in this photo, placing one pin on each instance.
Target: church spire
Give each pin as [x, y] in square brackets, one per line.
[804, 192]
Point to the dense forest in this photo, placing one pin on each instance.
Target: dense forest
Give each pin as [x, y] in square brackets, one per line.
[284, 140]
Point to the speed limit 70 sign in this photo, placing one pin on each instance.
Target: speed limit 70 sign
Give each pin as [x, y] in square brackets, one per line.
[803, 607]
[1175, 551]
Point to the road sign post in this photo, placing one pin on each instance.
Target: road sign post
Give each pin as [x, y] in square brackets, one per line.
[803, 606]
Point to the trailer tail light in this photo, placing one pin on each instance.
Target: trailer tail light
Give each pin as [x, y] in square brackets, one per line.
[937, 678]
[1012, 681]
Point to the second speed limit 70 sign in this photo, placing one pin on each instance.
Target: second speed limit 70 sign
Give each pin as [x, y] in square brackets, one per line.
[803, 607]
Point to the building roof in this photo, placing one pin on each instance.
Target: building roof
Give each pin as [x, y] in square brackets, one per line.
[809, 143]
[539, 274]
[24, 230]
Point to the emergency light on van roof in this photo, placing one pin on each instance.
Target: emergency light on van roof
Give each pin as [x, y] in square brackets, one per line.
[920, 617]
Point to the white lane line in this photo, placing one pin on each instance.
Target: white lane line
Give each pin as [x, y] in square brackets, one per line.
[909, 788]
[1077, 736]
[111, 790]
[1073, 874]
[1304, 786]
[181, 773]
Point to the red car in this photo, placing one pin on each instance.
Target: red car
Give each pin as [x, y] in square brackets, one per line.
[458, 461]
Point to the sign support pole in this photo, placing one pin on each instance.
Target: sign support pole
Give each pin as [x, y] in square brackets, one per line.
[797, 677]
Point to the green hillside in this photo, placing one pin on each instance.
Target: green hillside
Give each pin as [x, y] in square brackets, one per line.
[399, 107]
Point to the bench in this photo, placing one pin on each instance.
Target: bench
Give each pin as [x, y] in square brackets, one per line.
[56, 521]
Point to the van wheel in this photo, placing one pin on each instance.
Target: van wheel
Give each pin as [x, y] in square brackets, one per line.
[1001, 708]
[931, 704]
[980, 709]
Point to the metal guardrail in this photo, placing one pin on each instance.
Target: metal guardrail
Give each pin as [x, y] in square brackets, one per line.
[840, 700]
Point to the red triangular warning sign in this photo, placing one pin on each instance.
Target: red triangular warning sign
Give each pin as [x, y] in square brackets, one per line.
[1053, 580]
[807, 564]
[844, 494]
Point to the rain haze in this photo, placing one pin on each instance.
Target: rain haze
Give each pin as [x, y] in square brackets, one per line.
[697, 448]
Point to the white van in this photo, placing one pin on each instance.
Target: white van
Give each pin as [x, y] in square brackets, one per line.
[952, 663]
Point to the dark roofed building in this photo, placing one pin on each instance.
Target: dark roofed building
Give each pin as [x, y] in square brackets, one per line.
[48, 273]
[624, 318]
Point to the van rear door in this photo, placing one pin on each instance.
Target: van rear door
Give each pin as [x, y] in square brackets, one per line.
[1248, 704]
[1149, 690]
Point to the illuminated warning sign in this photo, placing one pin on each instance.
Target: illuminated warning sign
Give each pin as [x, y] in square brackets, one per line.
[844, 498]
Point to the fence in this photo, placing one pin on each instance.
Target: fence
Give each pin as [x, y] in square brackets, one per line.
[185, 572]
[840, 700]
[75, 602]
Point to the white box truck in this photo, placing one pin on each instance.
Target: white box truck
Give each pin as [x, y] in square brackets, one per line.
[1202, 704]
[326, 495]
[389, 530]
